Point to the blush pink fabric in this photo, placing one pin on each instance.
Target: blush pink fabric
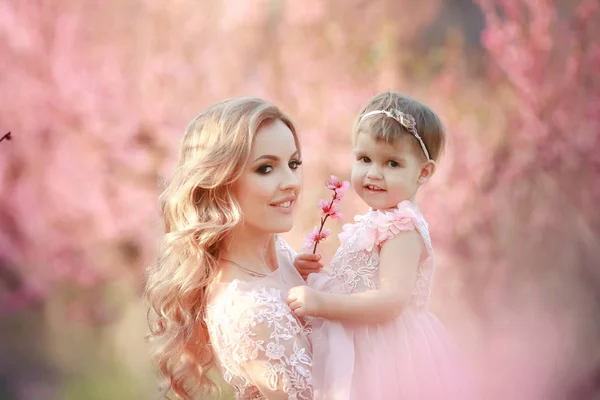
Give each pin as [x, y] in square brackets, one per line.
[410, 357]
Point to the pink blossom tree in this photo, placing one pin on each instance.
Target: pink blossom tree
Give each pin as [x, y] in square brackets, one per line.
[528, 234]
[100, 96]
[96, 98]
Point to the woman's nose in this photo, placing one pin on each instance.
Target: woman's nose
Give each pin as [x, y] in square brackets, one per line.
[291, 180]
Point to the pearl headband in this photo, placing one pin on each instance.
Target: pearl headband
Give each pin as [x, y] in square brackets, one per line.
[406, 120]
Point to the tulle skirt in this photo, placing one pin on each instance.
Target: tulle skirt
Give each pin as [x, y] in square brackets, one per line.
[410, 357]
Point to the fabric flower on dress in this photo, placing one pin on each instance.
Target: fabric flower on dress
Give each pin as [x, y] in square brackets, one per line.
[380, 226]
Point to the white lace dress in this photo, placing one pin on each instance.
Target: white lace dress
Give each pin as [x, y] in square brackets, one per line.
[409, 357]
[262, 349]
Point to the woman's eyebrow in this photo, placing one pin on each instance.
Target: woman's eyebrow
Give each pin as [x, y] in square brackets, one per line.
[272, 157]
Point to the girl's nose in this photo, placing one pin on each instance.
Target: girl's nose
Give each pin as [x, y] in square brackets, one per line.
[374, 172]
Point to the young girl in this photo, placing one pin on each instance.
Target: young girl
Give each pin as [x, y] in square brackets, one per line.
[374, 338]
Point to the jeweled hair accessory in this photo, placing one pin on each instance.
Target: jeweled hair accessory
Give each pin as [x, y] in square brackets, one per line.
[406, 120]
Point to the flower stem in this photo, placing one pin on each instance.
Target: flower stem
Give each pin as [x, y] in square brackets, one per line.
[323, 221]
[6, 136]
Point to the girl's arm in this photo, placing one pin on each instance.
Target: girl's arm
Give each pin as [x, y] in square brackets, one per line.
[399, 259]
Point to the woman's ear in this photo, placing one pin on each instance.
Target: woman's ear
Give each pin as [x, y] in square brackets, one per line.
[427, 172]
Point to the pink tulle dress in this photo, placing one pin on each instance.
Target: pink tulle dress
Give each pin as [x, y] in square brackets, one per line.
[409, 357]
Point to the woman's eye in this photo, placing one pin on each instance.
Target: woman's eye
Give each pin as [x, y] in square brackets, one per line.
[264, 169]
[295, 164]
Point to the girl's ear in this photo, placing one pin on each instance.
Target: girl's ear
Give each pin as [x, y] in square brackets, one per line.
[427, 172]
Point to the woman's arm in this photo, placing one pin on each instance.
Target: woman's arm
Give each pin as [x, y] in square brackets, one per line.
[282, 366]
[267, 345]
[399, 259]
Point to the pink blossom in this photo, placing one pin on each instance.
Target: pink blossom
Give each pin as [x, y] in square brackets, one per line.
[315, 237]
[329, 208]
[338, 186]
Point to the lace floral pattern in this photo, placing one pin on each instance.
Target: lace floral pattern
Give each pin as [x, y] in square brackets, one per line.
[260, 343]
[356, 262]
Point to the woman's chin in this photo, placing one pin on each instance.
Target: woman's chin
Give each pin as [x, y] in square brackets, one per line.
[282, 225]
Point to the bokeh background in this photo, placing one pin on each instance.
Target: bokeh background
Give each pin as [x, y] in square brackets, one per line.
[97, 95]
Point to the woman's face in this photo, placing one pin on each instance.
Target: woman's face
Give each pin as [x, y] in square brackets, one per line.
[269, 187]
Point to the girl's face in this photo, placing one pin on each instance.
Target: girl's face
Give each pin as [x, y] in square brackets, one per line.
[384, 175]
[268, 189]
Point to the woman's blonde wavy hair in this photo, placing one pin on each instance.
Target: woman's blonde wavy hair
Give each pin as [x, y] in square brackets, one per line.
[198, 211]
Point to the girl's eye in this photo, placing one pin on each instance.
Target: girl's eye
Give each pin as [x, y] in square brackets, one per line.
[264, 169]
[393, 164]
[365, 159]
[295, 164]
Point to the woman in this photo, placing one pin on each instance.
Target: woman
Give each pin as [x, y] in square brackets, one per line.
[218, 292]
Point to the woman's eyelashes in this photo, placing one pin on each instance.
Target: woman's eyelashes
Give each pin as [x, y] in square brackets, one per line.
[295, 164]
[264, 169]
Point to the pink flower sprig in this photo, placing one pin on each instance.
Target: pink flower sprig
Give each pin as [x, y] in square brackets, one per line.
[329, 209]
[6, 136]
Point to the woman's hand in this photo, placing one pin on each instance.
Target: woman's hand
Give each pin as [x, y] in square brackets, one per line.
[308, 263]
[305, 301]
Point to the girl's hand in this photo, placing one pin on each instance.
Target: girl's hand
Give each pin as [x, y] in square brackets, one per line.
[308, 263]
[305, 301]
